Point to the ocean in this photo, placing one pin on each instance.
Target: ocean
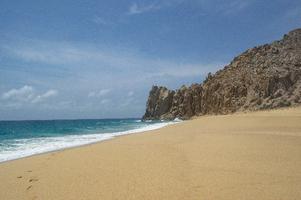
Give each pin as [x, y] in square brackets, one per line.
[20, 139]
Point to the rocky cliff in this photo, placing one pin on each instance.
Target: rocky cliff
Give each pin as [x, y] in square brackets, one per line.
[264, 77]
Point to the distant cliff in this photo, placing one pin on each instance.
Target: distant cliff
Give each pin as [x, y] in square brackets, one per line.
[264, 77]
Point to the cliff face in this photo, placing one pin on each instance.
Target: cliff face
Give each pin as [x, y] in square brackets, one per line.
[263, 77]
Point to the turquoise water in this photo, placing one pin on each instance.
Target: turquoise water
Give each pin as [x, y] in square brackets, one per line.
[24, 138]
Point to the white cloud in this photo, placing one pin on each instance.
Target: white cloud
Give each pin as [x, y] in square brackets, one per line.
[94, 75]
[226, 7]
[99, 20]
[74, 56]
[103, 92]
[135, 9]
[46, 95]
[91, 94]
[130, 93]
[46, 53]
[24, 93]
[77, 57]
[27, 94]
[234, 6]
[104, 101]
[100, 93]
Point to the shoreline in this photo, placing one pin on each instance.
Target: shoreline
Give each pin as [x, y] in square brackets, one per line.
[113, 136]
[255, 155]
[143, 131]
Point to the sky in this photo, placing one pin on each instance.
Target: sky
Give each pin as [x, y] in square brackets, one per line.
[71, 59]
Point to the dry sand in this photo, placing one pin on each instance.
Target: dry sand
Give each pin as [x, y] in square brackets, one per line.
[242, 156]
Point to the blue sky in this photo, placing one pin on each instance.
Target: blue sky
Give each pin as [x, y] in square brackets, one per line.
[98, 59]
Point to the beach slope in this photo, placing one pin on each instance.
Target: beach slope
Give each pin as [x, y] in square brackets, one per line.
[241, 156]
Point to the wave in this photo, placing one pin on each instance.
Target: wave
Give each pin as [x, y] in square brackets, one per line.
[177, 120]
[27, 147]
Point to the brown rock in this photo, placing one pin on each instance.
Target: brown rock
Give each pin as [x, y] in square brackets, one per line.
[264, 77]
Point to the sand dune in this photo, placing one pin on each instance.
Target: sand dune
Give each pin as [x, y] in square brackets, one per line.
[241, 156]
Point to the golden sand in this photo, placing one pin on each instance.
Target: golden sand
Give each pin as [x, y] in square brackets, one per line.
[241, 156]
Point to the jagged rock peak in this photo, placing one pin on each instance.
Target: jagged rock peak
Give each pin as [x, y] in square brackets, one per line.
[159, 102]
[263, 77]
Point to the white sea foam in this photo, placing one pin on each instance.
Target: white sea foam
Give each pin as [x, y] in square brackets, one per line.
[178, 120]
[28, 147]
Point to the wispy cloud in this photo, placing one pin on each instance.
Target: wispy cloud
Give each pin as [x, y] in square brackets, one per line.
[234, 6]
[27, 94]
[104, 101]
[43, 97]
[24, 93]
[46, 52]
[135, 9]
[99, 20]
[99, 93]
[127, 61]
[227, 7]
[131, 93]
[95, 80]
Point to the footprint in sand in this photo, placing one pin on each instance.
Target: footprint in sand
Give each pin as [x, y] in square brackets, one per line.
[19, 176]
[33, 180]
[29, 187]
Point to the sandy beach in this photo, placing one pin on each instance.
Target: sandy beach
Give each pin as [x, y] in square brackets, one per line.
[242, 156]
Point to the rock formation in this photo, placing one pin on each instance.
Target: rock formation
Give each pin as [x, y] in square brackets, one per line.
[264, 77]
